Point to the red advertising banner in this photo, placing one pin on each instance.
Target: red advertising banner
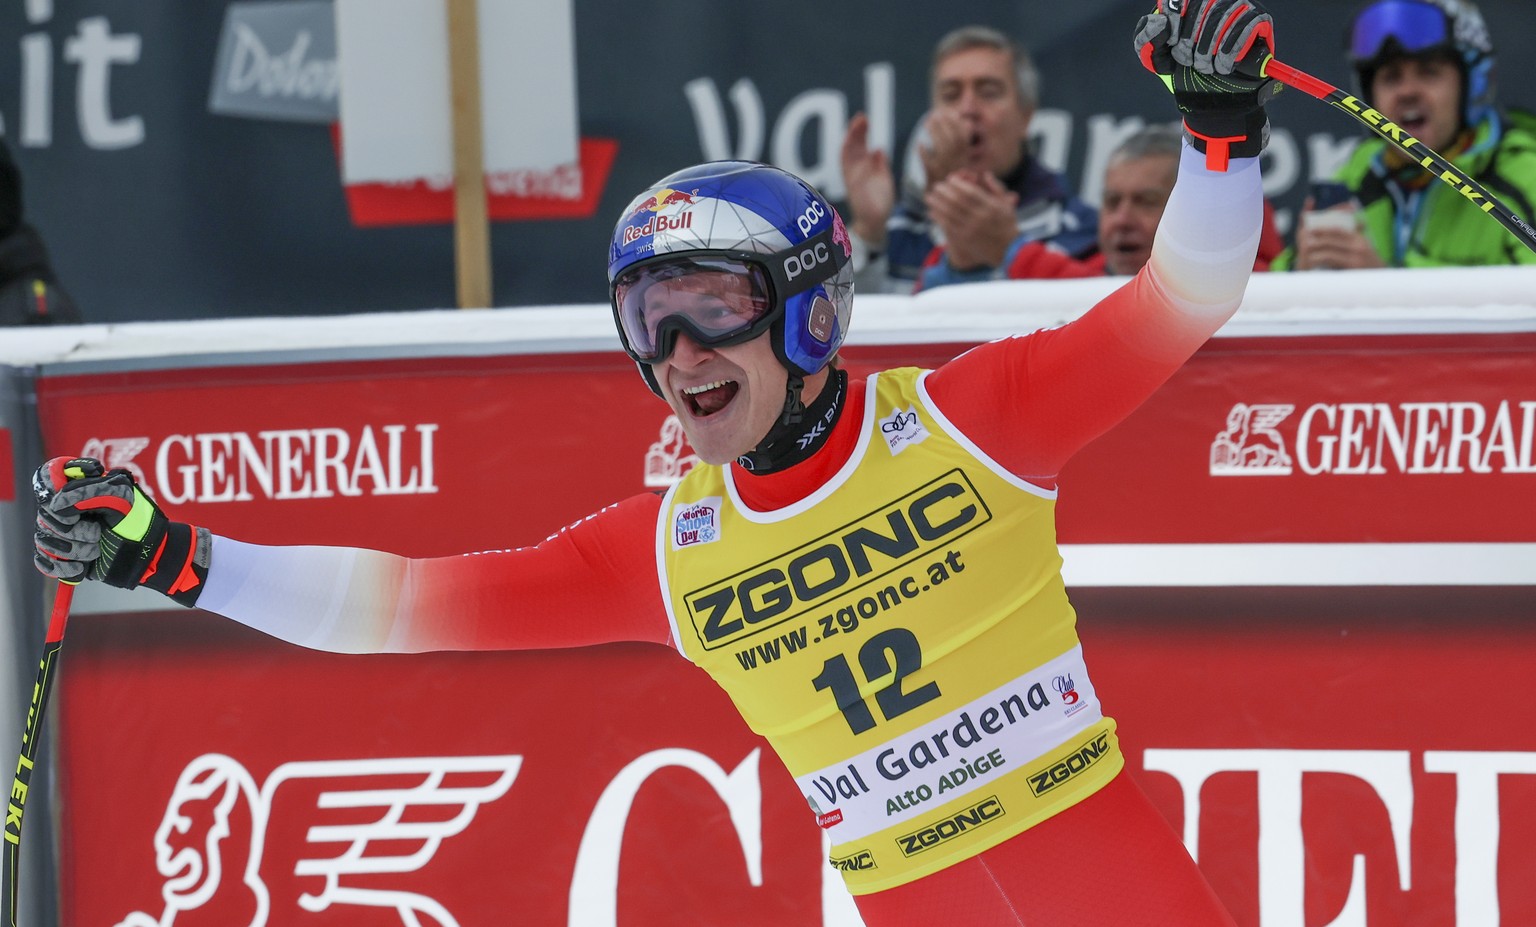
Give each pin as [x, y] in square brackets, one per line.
[1405, 438]
[1332, 754]
[214, 774]
[1255, 440]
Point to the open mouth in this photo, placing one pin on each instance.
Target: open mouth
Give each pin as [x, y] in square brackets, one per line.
[1124, 243]
[1413, 122]
[708, 398]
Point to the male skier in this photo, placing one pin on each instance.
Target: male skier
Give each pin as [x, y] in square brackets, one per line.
[941, 721]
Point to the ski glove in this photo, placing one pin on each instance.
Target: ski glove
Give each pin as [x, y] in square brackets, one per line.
[1212, 55]
[94, 523]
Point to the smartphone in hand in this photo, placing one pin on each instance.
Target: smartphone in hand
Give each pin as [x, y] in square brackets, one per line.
[1329, 193]
[1325, 195]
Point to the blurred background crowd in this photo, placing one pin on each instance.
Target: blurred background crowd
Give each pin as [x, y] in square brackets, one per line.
[173, 163]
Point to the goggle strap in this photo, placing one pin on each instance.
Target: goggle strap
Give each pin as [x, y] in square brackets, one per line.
[804, 265]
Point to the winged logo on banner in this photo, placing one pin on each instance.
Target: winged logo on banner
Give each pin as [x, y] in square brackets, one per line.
[1251, 445]
[115, 453]
[368, 817]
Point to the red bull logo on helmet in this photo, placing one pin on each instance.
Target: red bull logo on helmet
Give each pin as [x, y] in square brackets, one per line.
[673, 197]
[651, 208]
[664, 197]
[658, 223]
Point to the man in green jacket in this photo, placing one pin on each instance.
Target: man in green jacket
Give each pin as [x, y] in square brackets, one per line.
[1427, 65]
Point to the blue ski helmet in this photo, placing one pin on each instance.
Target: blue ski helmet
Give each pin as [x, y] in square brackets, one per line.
[780, 242]
[1383, 30]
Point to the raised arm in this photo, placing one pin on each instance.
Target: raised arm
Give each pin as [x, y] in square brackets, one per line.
[1033, 400]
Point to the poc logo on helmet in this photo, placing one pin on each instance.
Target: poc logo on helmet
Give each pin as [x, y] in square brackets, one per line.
[810, 258]
[807, 220]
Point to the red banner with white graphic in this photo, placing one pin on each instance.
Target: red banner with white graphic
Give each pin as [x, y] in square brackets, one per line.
[1322, 440]
[1335, 754]
[1257, 440]
[571, 191]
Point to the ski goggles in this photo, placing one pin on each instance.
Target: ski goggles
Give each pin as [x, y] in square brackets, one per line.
[718, 298]
[1415, 25]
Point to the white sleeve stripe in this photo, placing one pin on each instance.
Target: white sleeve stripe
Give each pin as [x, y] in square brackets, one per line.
[663, 519]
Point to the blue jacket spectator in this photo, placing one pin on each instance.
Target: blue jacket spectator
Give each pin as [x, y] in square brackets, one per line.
[975, 187]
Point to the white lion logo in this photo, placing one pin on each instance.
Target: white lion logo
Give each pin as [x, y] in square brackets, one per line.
[397, 812]
[1251, 446]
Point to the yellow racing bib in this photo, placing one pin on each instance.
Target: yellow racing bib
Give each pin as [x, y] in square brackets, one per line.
[902, 637]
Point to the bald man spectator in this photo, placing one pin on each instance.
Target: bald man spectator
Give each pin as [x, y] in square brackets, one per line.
[1138, 178]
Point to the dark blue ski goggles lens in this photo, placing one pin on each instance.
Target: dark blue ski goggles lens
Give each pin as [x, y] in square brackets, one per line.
[717, 300]
[1416, 26]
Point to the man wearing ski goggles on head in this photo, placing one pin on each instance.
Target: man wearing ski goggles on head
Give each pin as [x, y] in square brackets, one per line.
[1428, 67]
[927, 743]
[680, 309]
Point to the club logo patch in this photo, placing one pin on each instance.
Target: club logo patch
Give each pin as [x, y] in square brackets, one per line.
[695, 523]
[901, 430]
[1070, 697]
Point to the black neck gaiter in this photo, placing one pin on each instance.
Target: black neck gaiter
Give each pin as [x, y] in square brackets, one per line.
[795, 437]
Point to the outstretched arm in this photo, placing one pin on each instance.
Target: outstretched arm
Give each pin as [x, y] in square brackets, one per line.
[590, 583]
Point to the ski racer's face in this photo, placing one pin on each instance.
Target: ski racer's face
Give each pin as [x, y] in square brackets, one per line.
[727, 397]
[978, 86]
[1421, 94]
[1135, 192]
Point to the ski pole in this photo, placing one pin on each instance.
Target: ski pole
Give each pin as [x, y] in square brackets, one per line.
[31, 734]
[1431, 160]
[45, 482]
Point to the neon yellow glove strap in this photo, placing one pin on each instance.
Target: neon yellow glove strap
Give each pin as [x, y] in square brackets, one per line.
[136, 522]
